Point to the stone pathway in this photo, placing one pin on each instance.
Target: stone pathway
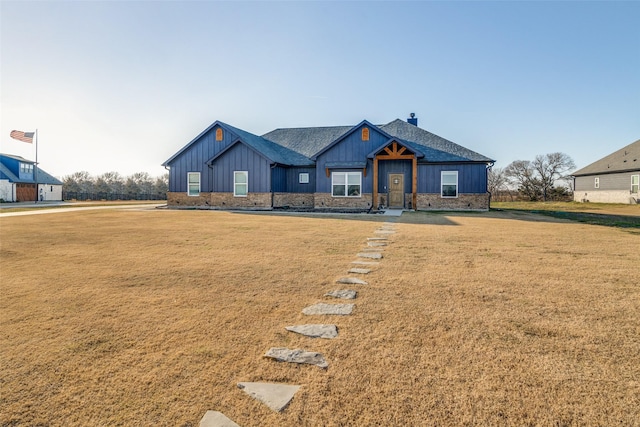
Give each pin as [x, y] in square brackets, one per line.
[315, 331]
[372, 255]
[297, 356]
[216, 419]
[330, 309]
[277, 396]
[359, 270]
[342, 294]
[351, 281]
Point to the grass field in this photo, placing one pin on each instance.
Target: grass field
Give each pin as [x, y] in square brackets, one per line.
[151, 317]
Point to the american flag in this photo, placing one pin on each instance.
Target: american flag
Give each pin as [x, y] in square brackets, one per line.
[22, 136]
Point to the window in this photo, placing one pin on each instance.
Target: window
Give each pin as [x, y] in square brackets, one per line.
[365, 134]
[219, 134]
[240, 183]
[635, 183]
[303, 178]
[193, 179]
[26, 168]
[449, 182]
[346, 184]
[596, 182]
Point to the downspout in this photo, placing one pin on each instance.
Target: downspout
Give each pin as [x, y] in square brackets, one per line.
[273, 166]
[489, 167]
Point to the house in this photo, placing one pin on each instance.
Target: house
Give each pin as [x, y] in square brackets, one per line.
[19, 177]
[361, 167]
[613, 179]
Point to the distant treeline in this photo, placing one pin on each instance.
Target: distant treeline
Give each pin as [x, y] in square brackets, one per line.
[113, 186]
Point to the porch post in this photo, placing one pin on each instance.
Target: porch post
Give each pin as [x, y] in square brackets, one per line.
[375, 183]
[414, 184]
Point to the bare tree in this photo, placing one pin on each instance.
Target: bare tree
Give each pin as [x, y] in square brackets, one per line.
[496, 180]
[522, 174]
[550, 168]
[536, 179]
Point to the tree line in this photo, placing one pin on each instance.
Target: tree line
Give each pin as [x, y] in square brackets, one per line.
[113, 186]
[544, 178]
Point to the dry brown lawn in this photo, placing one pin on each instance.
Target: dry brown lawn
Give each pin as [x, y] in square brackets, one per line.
[152, 317]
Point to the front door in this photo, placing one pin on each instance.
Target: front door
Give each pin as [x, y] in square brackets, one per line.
[396, 190]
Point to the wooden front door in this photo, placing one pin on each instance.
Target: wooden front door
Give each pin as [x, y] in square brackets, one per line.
[396, 190]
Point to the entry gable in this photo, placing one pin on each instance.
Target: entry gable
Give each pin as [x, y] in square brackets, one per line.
[396, 149]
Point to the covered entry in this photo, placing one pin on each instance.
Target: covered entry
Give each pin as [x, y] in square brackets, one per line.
[402, 168]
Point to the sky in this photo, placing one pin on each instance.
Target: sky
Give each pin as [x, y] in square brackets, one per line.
[123, 85]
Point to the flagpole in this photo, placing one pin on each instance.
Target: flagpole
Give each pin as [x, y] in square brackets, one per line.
[35, 170]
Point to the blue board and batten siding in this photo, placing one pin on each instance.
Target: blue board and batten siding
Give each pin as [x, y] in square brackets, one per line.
[387, 167]
[472, 177]
[241, 158]
[351, 149]
[293, 184]
[194, 160]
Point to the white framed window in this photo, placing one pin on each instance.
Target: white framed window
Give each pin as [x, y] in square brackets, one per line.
[449, 183]
[596, 182]
[26, 168]
[240, 183]
[193, 183]
[346, 184]
[635, 183]
[303, 178]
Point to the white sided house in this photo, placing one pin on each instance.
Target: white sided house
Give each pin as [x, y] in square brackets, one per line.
[612, 179]
[22, 181]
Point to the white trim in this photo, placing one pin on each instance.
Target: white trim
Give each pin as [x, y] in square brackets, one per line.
[245, 183]
[189, 184]
[346, 183]
[303, 178]
[442, 173]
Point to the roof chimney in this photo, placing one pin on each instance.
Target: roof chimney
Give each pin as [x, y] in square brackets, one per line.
[413, 120]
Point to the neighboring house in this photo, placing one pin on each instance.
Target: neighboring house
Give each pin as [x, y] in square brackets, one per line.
[18, 179]
[359, 167]
[612, 179]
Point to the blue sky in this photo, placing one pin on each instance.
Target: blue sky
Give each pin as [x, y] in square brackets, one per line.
[122, 85]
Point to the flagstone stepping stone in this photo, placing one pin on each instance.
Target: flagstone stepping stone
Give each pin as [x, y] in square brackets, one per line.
[343, 294]
[351, 281]
[365, 262]
[376, 238]
[275, 396]
[216, 419]
[376, 244]
[360, 270]
[297, 356]
[322, 308]
[373, 249]
[315, 331]
[372, 255]
[384, 232]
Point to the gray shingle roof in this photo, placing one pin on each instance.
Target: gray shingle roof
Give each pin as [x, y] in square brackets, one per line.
[436, 147]
[297, 146]
[307, 141]
[310, 141]
[274, 152]
[625, 159]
